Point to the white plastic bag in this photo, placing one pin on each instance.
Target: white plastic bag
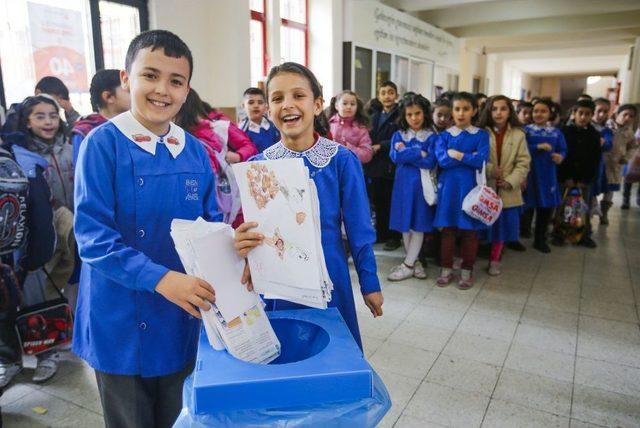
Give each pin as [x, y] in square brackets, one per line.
[429, 187]
[226, 186]
[482, 202]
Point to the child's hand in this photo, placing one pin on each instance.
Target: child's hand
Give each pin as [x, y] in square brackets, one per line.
[376, 148]
[423, 153]
[246, 276]
[455, 154]
[232, 157]
[502, 184]
[557, 158]
[400, 146]
[545, 146]
[497, 172]
[186, 291]
[245, 240]
[374, 303]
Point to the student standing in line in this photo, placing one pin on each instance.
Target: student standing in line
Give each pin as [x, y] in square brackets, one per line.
[108, 100]
[349, 124]
[461, 152]
[295, 101]
[547, 148]
[380, 171]
[599, 121]
[441, 116]
[623, 143]
[507, 169]
[412, 150]
[256, 125]
[51, 85]
[524, 111]
[137, 319]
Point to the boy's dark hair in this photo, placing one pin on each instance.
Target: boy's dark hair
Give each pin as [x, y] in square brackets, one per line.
[465, 96]
[585, 104]
[486, 119]
[601, 100]
[441, 102]
[254, 91]
[191, 111]
[53, 86]
[585, 97]
[447, 95]
[373, 106]
[388, 84]
[27, 108]
[480, 95]
[172, 45]
[104, 80]
[320, 123]
[360, 116]
[623, 107]
[522, 105]
[546, 101]
[415, 100]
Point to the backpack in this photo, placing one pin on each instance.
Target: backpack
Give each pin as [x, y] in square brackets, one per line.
[14, 192]
[227, 191]
[572, 219]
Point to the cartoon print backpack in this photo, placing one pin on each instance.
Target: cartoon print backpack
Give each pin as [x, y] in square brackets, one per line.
[14, 190]
[572, 221]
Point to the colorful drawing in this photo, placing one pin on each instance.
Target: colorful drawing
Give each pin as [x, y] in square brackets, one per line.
[281, 246]
[264, 187]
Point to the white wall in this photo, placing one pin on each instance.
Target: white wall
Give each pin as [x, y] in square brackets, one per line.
[325, 44]
[472, 64]
[218, 34]
[599, 88]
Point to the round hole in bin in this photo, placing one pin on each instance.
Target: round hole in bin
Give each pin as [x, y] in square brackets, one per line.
[299, 340]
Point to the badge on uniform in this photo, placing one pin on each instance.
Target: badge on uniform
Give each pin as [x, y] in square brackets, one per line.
[141, 138]
[173, 140]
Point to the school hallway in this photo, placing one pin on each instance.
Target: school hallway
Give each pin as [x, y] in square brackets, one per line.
[553, 341]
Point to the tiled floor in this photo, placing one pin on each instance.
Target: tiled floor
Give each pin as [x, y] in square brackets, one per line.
[554, 341]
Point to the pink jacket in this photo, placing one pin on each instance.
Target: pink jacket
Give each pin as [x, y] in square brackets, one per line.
[353, 136]
[239, 142]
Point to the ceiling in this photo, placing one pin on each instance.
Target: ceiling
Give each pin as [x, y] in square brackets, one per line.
[540, 37]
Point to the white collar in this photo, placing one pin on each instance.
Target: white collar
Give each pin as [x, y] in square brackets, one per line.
[540, 128]
[455, 131]
[410, 134]
[174, 140]
[319, 155]
[254, 127]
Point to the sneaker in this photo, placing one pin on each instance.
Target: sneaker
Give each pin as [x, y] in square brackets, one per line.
[45, 370]
[587, 242]
[445, 278]
[466, 280]
[516, 246]
[8, 372]
[418, 271]
[542, 247]
[391, 244]
[457, 263]
[400, 272]
[494, 268]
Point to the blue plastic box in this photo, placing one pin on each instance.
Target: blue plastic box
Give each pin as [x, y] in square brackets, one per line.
[320, 363]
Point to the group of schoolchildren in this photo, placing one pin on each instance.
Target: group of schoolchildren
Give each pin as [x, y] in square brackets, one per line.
[154, 151]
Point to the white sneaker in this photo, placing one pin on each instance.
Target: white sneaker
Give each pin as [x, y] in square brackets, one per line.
[494, 268]
[418, 271]
[46, 369]
[457, 263]
[8, 372]
[400, 272]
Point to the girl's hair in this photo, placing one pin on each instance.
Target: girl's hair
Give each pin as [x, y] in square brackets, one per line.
[193, 110]
[415, 100]
[546, 101]
[486, 118]
[442, 102]
[360, 117]
[464, 96]
[27, 107]
[320, 124]
[623, 107]
[523, 105]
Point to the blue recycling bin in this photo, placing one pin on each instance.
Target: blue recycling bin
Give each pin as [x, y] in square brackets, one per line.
[321, 376]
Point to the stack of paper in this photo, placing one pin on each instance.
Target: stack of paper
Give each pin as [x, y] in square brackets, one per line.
[237, 321]
[283, 200]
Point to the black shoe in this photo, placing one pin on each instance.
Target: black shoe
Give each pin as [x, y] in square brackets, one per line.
[587, 242]
[625, 205]
[542, 247]
[557, 241]
[604, 220]
[525, 234]
[391, 245]
[516, 246]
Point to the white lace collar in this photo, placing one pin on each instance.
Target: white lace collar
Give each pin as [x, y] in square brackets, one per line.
[255, 128]
[540, 128]
[319, 155]
[410, 134]
[174, 140]
[455, 131]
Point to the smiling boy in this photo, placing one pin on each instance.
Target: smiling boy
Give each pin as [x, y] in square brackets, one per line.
[137, 316]
[260, 130]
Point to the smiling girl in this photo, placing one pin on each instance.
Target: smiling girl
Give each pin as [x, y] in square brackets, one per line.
[295, 101]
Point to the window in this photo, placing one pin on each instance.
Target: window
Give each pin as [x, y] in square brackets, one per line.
[294, 31]
[383, 68]
[119, 24]
[401, 74]
[258, 41]
[362, 67]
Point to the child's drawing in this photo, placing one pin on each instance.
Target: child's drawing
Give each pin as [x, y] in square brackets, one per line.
[281, 246]
[264, 187]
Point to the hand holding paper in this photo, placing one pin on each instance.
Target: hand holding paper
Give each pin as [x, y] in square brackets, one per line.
[186, 291]
[246, 240]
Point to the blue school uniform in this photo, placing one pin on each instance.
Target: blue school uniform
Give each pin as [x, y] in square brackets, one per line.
[409, 210]
[264, 135]
[600, 184]
[342, 195]
[130, 184]
[542, 183]
[458, 177]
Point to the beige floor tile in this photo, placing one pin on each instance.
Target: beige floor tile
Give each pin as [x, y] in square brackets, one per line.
[436, 317]
[612, 341]
[443, 405]
[537, 392]
[605, 408]
[464, 374]
[449, 298]
[14, 392]
[555, 286]
[401, 389]
[606, 294]
[612, 311]
[407, 421]
[504, 292]
[370, 345]
[612, 377]
[502, 414]
[556, 302]
[421, 336]
[400, 292]
[497, 308]
[540, 362]
[56, 409]
[82, 418]
[377, 328]
[547, 338]
[537, 315]
[482, 325]
[403, 360]
[574, 423]
[477, 348]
